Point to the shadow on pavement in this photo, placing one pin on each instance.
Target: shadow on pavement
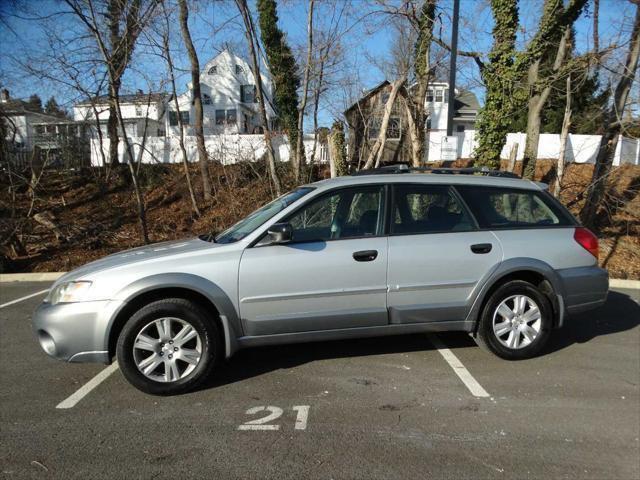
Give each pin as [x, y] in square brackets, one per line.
[619, 314]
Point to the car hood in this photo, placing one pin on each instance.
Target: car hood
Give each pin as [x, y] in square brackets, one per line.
[139, 254]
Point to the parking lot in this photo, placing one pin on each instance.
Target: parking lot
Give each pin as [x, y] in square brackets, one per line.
[413, 406]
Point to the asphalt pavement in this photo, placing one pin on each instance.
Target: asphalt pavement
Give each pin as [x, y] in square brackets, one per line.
[394, 407]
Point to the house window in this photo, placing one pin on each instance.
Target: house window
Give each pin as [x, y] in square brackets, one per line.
[428, 124]
[446, 95]
[460, 128]
[173, 118]
[384, 98]
[438, 95]
[206, 99]
[138, 111]
[39, 129]
[220, 116]
[213, 70]
[393, 128]
[239, 69]
[231, 117]
[248, 93]
[430, 95]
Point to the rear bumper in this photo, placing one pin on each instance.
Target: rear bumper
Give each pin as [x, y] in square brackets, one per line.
[585, 288]
[75, 332]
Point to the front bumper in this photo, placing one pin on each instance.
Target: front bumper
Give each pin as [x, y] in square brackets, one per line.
[75, 332]
[585, 288]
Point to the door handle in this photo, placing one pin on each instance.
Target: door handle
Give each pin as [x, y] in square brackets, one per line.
[481, 248]
[365, 255]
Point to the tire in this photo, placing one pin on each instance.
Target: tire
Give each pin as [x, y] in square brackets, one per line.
[527, 332]
[181, 363]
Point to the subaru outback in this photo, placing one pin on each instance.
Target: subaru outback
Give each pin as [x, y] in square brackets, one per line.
[360, 256]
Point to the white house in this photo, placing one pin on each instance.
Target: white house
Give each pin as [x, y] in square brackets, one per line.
[141, 112]
[228, 89]
[27, 128]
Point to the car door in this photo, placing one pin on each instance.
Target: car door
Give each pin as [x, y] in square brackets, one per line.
[437, 256]
[332, 275]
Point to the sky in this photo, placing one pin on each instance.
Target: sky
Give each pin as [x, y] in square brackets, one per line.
[366, 44]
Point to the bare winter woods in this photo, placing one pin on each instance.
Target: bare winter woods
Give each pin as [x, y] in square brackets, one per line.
[345, 84]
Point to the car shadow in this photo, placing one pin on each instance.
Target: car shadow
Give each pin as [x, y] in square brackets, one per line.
[619, 314]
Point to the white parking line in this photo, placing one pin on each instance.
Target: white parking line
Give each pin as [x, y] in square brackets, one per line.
[17, 300]
[83, 391]
[471, 383]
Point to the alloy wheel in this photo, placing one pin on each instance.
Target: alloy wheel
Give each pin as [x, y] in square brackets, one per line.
[517, 321]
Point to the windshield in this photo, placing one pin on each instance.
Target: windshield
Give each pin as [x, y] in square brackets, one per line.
[248, 224]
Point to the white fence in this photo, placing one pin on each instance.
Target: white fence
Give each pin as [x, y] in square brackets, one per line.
[235, 148]
[227, 149]
[580, 148]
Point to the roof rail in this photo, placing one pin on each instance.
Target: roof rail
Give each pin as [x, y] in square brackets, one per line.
[404, 168]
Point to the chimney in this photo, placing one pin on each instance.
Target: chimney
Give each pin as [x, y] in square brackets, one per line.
[4, 95]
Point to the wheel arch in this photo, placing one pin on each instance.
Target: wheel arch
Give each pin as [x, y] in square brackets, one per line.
[176, 285]
[531, 270]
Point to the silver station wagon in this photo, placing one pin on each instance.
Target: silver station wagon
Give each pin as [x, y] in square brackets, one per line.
[386, 253]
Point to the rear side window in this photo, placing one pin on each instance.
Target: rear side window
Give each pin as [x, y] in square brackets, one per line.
[427, 209]
[512, 208]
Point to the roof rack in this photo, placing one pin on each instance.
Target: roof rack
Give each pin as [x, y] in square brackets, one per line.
[404, 168]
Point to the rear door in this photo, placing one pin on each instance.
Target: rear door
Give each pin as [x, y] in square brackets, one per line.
[437, 255]
[332, 275]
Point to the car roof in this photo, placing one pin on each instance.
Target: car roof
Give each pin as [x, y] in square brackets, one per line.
[430, 178]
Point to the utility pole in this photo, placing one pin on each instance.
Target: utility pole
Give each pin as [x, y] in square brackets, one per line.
[451, 110]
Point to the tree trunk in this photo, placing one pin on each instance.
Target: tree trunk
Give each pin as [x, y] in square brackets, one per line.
[375, 155]
[513, 156]
[251, 39]
[537, 101]
[197, 99]
[172, 78]
[316, 104]
[564, 136]
[613, 126]
[337, 154]
[305, 91]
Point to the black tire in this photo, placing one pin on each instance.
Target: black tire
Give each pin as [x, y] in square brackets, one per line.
[485, 336]
[186, 311]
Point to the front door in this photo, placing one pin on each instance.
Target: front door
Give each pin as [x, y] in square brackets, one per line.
[331, 276]
[436, 255]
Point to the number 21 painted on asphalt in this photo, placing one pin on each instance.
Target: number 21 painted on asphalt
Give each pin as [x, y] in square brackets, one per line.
[262, 423]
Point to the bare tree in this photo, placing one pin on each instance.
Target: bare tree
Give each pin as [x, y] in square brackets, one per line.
[196, 98]
[305, 90]
[564, 136]
[375, 154]
[613, 127]
[116, 54]
[252, 40]
[166, 53]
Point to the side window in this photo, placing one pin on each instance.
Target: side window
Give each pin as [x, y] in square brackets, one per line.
[347, 213]
[511, 208]
[427, 209]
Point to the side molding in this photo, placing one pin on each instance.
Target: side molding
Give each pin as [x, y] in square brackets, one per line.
[231, 326]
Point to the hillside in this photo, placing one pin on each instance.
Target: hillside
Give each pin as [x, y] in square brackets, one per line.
[76, 217]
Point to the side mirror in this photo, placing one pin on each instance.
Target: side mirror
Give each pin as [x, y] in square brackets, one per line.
[280, 233]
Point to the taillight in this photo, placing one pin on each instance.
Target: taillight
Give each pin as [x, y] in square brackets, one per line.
[587, 240]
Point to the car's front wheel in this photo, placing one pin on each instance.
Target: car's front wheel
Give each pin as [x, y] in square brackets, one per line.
[516, 321]
[168, 347]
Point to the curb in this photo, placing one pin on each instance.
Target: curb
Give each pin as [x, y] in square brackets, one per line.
[30, 277]
[51, 276]
[619, 283]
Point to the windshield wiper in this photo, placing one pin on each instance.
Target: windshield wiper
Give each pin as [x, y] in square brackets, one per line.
[208, 237]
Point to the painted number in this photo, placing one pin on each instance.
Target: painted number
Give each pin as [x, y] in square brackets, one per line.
[263, 423]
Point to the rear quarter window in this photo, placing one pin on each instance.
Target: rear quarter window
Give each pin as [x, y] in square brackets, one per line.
[496, 208]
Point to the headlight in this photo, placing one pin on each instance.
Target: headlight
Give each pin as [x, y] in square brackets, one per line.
[69, 292]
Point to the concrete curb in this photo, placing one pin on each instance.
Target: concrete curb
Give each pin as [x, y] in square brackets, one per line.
[619, 283]
[51, 276]
[30, 277]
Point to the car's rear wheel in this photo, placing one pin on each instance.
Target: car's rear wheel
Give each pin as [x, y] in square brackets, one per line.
[516, 321]
[168, 347]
